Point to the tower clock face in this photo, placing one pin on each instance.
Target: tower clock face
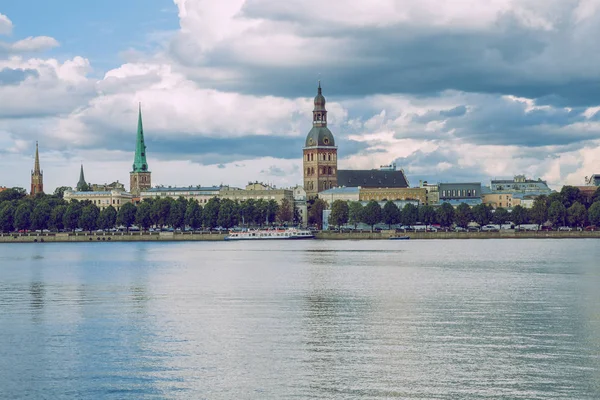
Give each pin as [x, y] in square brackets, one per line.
[310, 141]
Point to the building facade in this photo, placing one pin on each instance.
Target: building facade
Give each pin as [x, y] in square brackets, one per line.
[201, 194]
[520, 184]
[340, 193]
[457, 193]
[115, 198]
[320, 152]
[255, 192]
[107, 187]
[432, 192]
[140, 178]
[300, 203]
[393, 194]
[504, 200]
[37, 175]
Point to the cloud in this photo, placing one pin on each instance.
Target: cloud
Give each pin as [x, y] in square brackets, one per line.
[5, 25]
[10, 76]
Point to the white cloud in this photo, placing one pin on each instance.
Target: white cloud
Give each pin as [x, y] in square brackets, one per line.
[31, 44]
[5, 25]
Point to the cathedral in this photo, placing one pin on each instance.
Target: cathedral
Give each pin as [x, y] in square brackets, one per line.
[321, 155]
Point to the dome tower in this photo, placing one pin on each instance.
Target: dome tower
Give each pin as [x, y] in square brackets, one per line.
[320, 152]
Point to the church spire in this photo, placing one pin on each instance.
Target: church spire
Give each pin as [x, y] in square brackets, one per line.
[36, 167]
[319, 112]
[139, 162]
[81, 185]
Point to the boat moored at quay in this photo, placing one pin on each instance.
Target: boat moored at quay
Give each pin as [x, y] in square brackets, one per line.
[271, 234]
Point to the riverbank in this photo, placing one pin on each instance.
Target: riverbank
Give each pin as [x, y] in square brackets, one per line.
[192, 237]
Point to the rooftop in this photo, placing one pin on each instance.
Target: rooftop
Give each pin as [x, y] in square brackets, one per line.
[371, 178]
[183, 189]
[340, 190]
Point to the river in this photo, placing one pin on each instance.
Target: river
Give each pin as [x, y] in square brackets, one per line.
[436, 319]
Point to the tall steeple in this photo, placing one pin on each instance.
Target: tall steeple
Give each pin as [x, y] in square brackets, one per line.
[82, 186]
[37, 176]
[140, 176]
[139, 162]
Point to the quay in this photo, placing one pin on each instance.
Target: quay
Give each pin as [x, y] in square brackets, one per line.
[324, 235]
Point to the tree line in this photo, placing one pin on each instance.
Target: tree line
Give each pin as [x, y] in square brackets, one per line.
[19, 212]
[569, 207]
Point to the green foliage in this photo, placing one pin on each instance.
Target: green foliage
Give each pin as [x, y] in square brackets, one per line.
[56, 217]
[519, 215]
[177, 213]
[160, 211]
[260, 212]
[227, 217]
[88, 221]
[315, 212]
[7, 217]
[594, 213]
[557, 213]
[193, 214]
[482, 214]
[539, 211]
[570, 195]
[355, 210]
[339, 213]
[72, 214]
[126, 215]
[108, 218]
[60, 191]
[248, 211]
[40, 219]
[143, 215]
[371, 214]
[286, 212]
[391, 214]
[271, 210]
[427, 215]
[577, 215]
[463, 215]
[410, 215]
[15, 193]
[23, 217]
[210, 214]
[501, 216]
[596, 196]
[445, 214]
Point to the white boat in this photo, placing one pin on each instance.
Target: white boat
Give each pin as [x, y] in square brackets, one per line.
[271, 234]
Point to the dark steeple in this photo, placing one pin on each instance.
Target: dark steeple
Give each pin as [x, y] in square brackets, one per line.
[82, 186]
[139, 162]
[36, 167]
[37, 176]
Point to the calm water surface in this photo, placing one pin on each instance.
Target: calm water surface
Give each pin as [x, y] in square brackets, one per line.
[490, 319]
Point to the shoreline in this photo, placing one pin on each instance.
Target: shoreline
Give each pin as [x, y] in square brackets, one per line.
[212, 237]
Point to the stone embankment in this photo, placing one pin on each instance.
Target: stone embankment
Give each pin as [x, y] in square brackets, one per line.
[180, 237]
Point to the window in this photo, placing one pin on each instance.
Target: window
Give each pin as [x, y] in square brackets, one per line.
[329, 157]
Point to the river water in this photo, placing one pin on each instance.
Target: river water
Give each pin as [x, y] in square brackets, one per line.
[448, 319]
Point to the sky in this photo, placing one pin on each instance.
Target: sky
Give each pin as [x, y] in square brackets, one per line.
[449, 90]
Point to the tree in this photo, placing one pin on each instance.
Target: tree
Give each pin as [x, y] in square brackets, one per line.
[594, 213]
[108, 218]
[23, 217]
[143, 215]
[596, 196]
[391, 214]
[315, 212]
[577, 214]
[193, 215]
[88, 221]
[248, 211]
[72, 214]
[445, 215]
[176, 217]
[7, 217]
[40, 218]
[160, 211]
[482, 214]
[260, 212]
[60, 191]
[410, 214]
[501, 216]
[15, 193]
[126, 215]
[463, 215]
[271, 210]
[297, 216]
[371, 214]
[355, 210]
[539, 211]
[339, 213]
[570, 195]
[519, 215]
[552, 197]
[56, 217]
[427, 215]
[285, 213]
[557, 213]
[210, 215]
[227, 217]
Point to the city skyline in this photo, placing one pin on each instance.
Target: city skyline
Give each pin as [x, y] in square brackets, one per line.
[484, 92]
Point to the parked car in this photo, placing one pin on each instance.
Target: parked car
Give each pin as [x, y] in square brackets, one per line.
[490, 228]
[591, 228]
[460, 229]
[473, 229]
[565, 228]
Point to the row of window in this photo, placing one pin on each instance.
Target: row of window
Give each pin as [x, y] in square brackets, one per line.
[322, 171]
[322, 157]
[459, 193]
[323, 186]
[106, 201]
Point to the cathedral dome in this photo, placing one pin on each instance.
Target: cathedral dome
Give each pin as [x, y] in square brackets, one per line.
[319, 99]
[320, 136]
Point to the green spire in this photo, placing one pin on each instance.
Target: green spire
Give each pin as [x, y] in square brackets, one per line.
[82, 185]
[139, 162]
